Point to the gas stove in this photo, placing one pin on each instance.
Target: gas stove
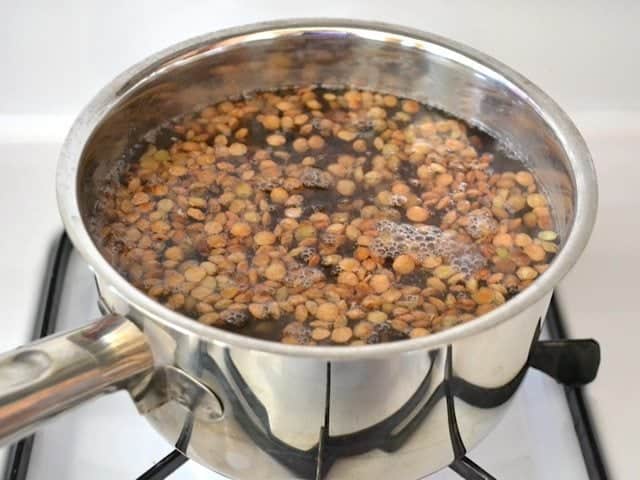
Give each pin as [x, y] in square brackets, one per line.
[546, 432]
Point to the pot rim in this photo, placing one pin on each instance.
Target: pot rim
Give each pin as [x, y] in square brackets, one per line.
[572, 142]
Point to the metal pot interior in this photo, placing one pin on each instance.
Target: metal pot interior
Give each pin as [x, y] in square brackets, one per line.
[207, 72]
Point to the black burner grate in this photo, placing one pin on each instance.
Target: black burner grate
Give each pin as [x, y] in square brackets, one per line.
[571, 362]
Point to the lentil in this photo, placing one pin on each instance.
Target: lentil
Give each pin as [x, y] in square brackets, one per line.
[380, 283]
[237, 149]
[275, 271]
[327, 312]
[195, 274]
[319, 334]
[417, 214]
[377, 317]
[240, 229]
[346, 187]
[341, 335]
[264, 237]
[404, 264]
[535, 252]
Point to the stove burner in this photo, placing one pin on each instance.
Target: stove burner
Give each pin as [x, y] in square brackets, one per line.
[570, 362]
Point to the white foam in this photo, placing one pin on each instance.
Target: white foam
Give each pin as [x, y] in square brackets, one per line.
[424, 241]
[481, 223]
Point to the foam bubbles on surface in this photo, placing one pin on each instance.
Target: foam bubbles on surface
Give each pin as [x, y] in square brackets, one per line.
[266, 184]
[316, 178]
[298, 331]
[481, 223]
[235, 317]
[468, 261]
[398, 200]
[424, 241]
[304, 277]
[306, 254]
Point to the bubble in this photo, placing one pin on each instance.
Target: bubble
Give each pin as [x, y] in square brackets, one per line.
[267, 184]
[235, 318]
[391, 214]
[299, 331]
[468, 261]
[304, 277]
[306, 254]
[316, 178]
[480, 223]
[396, 239]
[329, 238]
[385, 226]
[398, 200]
[336, 270]
[412, 298]
[383, 332]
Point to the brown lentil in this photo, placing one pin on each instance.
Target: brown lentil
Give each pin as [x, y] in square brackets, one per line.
[526, 273]
[237, 149]
[275, 271]
[341, 335]
[327, 312]
[276, 140]
[377, 317]
[195, 274]
[380, 283]
[264, 237]
[279, 195]
[319, 334]
[524, 178]
[240, 229]
[535, 252]
[404, 264]
[418, 332]
[417, 214]
[346, 187]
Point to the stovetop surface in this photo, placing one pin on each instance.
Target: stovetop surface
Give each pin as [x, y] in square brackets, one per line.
[106, 438]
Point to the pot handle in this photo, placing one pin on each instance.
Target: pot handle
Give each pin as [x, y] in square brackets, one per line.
[48, 377]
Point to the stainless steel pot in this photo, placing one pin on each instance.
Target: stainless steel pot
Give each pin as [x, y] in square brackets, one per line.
[249, 408]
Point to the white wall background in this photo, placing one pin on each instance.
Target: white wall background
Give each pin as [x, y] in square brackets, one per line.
[55, 55]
